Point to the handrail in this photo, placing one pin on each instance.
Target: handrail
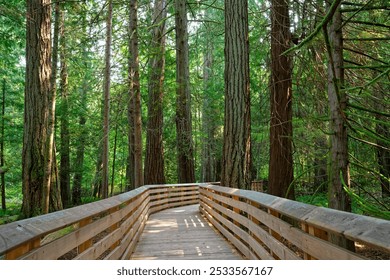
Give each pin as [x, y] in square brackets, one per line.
[106, 229]
[260, 226]
[263, 226]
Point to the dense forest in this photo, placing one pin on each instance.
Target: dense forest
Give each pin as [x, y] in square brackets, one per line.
[102, 96]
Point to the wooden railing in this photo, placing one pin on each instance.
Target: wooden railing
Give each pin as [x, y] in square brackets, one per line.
[260, 226]
[106, 229]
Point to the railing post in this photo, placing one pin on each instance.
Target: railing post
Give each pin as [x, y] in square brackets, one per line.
[273, 233]
[84, 246]
[114, 227]
[315, 232]
[236, 210]
[21, 250]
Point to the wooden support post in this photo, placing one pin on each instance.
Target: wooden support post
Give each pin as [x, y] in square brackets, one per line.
[23, 249]
[235, 209]
[84, 246]
[114, 227]
[315, 232]
[273, 233]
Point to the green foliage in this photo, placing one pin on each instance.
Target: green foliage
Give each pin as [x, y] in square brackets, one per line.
[320, 199]
[365, 206]
[367, 90]
[13, 201]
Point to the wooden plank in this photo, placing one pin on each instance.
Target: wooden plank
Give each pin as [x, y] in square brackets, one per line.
[237, 243]
[239, 234]
[318, 248]
[171, 225]
[130, 233]
[81, 248]
[21, 250]
[158, 208]
[83, 236]
[24, 231]
[156, 189]
[273, 244]
[103, 245]
[314, 246]
[367, 230]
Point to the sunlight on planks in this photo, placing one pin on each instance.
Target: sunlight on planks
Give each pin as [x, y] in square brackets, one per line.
[182, 233]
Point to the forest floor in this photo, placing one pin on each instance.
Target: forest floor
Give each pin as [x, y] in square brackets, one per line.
[371, 254]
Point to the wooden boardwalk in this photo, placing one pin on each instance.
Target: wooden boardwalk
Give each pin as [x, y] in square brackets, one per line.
[182, 233]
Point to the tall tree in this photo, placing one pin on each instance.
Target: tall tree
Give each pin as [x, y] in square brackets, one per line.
[339, 175]
[82, 136]
[208, 145]
[64, 134]
[106, 110]
[50, 179]
[135, 120]
[339, 167]
[209, 112]
[236, 156]
[185, 153]
[281, 160]
[38, 108]
[154, 158]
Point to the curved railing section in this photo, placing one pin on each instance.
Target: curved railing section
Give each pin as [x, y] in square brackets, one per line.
[106, 229]
[260, 226]
[263, 226]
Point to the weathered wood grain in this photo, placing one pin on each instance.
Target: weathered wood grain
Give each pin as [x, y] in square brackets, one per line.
[181, 233]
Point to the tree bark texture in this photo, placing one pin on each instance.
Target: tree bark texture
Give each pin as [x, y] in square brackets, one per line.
[186, 169]
[36, 108]
[236, 156]
[154, 158]
[339, 176]
[339, 165]
[135, 97]
[281, 160]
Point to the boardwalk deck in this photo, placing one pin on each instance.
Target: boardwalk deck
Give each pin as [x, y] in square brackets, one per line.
[182, 233]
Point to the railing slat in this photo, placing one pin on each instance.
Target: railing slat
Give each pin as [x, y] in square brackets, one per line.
[239, 234]
[310, 244]
[237, 243]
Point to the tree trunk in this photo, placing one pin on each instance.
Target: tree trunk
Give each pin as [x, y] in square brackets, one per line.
[339, 167]
[106, 114]
[154, 158]
[135, 98]
[339, 176]
[37, 110]
[81, 139]
[281, 161]
[186, 169]
[114, 161]
[236, 156]
[320, 164]
[208, 120]
[64, 134]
